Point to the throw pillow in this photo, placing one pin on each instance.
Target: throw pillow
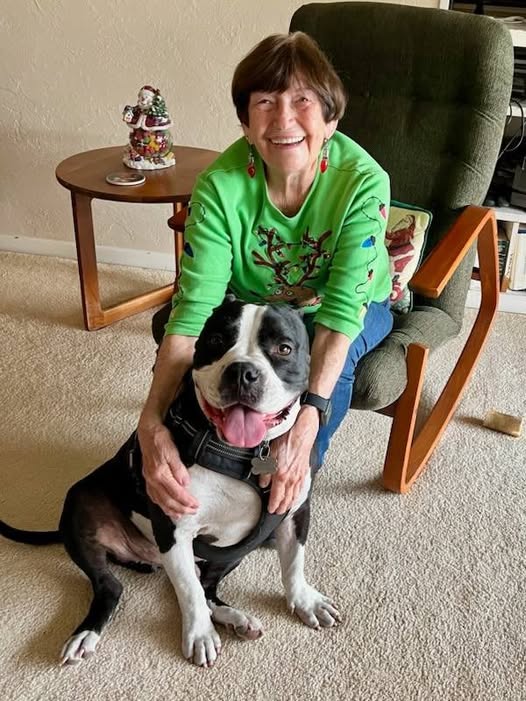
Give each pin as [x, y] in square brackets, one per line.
[405, 238]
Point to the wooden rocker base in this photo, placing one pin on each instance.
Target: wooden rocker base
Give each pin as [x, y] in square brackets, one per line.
[406, 454]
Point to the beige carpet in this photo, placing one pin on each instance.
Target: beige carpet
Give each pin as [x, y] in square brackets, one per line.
[431, 585]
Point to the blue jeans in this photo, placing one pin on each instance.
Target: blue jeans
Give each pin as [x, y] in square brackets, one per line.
[378, 323]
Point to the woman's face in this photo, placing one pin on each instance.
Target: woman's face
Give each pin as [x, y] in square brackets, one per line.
[288, 129]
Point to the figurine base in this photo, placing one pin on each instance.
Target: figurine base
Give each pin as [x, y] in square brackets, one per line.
[145, 164]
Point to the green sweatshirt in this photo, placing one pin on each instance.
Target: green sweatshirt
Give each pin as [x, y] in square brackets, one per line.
[329, 258]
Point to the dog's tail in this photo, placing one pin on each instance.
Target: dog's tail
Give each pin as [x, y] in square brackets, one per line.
[29, 537]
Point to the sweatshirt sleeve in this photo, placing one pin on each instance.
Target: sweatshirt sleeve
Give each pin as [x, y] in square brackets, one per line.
[206, 262]
[360, 268]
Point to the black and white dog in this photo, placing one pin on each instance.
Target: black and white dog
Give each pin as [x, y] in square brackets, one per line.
[250, 368]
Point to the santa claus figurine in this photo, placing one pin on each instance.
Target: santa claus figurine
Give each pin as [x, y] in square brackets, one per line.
[150, 144]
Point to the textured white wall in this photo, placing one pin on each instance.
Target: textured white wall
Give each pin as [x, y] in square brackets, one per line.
[69, 67]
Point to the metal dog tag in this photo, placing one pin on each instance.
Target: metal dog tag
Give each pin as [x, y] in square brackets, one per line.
[264, 467]
[264, 463]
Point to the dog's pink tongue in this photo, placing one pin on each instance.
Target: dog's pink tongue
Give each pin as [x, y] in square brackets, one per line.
[243, 427]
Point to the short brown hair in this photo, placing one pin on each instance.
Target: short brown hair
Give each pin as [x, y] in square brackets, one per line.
[275, 62]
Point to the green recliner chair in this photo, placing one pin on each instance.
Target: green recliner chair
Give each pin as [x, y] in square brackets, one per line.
[428, 97]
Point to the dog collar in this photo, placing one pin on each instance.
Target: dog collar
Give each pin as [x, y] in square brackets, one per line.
[197, 442]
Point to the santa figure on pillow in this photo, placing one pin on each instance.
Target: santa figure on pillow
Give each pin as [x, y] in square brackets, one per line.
[401, 252]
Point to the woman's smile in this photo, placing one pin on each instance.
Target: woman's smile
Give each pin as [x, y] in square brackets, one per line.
[287, 141]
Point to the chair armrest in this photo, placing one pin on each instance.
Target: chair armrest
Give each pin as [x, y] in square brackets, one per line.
[437, 269]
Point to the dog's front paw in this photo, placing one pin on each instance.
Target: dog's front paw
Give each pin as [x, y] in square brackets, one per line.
[314, 609]
[79, 647]
[201, 642]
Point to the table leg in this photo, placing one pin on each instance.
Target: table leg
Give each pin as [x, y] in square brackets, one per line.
[87, 260]
[95, 317]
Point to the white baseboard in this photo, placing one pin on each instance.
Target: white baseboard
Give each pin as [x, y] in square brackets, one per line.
[508, 302]
[105, 254]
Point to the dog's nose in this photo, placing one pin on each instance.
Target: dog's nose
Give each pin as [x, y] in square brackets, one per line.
[242, 374]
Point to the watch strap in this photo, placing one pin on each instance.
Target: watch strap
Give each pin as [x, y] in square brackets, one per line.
[321, 403]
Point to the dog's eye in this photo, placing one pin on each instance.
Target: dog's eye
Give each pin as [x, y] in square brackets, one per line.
[216, 339]
[284, 349]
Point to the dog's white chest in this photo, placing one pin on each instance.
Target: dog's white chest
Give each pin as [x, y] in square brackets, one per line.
[229, 509]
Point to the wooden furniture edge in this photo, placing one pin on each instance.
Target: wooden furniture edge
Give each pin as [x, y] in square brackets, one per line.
[406, 455]
[438, 267]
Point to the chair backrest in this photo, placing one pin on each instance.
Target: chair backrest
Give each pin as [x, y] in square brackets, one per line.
[428, 93]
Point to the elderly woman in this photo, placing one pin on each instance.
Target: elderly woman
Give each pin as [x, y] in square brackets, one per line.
[294, 212]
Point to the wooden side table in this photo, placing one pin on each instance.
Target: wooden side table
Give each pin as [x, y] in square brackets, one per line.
[85, 176]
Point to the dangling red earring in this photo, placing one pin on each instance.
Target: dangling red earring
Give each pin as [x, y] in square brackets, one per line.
[324, 163]
[251, 168]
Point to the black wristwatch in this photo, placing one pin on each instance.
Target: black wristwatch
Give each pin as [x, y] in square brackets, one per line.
[323, 405]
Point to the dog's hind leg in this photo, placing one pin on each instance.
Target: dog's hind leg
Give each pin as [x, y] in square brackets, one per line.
[93, 527]
[314, 609]
[107, 591]
[243, 624]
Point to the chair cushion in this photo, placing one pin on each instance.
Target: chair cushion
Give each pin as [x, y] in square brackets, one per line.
[381, 375]
[405, 238]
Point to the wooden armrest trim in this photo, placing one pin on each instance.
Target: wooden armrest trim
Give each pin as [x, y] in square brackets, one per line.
[437, 269]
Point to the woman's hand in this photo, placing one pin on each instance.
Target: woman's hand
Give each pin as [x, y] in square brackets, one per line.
[166, 476]
[292, 453]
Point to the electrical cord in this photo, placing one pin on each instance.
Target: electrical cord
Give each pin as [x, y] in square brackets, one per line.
[511, 146]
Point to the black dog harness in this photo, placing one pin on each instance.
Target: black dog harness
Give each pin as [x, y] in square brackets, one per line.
[197, 443]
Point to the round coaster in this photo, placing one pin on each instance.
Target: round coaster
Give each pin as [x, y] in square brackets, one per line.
[125, 178]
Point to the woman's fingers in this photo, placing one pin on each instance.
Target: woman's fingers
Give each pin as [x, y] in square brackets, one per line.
[167, 477]
[264, 481]
[173, 507]
[174, 490]
[277, 494]
[173, 499]
[285, 489]
[292, 458]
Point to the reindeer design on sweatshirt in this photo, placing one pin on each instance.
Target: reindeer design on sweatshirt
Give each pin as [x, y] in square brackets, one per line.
[291, 273]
